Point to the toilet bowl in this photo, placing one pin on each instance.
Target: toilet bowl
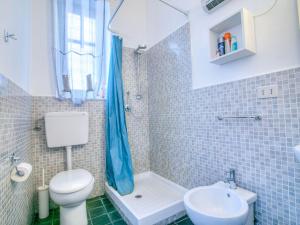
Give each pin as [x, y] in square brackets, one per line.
[70, 189]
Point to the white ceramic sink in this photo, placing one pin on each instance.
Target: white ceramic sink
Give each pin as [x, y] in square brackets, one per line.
[216, 205]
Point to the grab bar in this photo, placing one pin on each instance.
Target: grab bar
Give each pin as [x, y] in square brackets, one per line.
[257, 117]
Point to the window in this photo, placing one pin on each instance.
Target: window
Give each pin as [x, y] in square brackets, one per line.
[82, 48]
[81, 39]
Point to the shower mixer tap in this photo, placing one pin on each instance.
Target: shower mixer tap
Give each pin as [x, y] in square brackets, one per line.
[127, 106]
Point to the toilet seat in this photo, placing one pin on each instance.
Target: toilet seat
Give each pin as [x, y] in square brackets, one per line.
[70, 181]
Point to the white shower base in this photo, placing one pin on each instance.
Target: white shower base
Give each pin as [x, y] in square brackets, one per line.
[161, 199]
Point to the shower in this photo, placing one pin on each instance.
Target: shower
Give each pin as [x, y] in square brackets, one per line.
[138, 52]
[138, 96]
[140, 49]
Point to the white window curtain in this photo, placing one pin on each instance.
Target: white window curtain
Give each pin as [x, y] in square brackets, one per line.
[81, 49]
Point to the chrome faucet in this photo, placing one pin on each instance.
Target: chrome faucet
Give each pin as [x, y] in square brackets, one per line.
[230, 178]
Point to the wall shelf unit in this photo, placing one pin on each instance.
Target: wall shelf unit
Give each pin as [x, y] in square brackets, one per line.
[240, 24]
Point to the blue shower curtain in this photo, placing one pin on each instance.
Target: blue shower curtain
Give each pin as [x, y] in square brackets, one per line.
[119, 171]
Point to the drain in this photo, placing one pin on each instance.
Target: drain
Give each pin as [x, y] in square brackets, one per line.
[138, 196]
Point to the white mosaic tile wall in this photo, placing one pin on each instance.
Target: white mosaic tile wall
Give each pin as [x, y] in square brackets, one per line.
[191, 147]
[137, 120]
[92, 155]
[16, 200]
[89, 156]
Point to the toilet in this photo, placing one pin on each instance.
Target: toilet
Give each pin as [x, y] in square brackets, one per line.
[69, 189]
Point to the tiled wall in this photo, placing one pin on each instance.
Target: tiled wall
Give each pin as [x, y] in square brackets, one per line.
[89, 156]
[16, 199]
[191, 147]
[137, 119]
[92, 155]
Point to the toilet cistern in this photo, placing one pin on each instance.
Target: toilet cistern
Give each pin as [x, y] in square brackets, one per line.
[66, 129]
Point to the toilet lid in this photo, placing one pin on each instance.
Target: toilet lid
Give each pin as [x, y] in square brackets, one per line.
[70, 181]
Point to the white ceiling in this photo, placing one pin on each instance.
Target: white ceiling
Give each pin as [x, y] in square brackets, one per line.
[184, 4]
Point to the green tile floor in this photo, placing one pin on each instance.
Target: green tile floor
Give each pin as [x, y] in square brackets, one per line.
[100, 212]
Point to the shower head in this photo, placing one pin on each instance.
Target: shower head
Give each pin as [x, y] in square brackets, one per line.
[140, 49]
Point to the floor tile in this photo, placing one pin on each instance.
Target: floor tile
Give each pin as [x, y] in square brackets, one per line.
[109, 207]
[56, 213]
[100, 212]
[94, 204]
[106, 201]
[56, 222]
[49, 222]
[101, 220]
[45, 221]
[119, 222]
[103, 196]
[94, 212]
[114, 216]
[186, 221]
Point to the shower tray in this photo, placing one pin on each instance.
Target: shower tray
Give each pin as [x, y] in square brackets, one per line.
[154, 200]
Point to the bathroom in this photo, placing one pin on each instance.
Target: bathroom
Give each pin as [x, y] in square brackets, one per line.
[206, 127]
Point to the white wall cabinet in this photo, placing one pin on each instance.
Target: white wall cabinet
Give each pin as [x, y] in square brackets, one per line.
[240, 24]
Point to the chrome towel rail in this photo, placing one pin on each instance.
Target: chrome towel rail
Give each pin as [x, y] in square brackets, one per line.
[257, 117]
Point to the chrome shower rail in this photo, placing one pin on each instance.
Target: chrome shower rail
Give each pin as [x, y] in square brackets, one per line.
[257, 117]
[113, 17]
[173, 7]
[121, 3]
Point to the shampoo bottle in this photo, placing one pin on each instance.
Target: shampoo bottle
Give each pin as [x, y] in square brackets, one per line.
[234, 43]
[227, 39]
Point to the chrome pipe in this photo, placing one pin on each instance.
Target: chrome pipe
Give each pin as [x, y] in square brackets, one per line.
[113, 17]
[173, 7]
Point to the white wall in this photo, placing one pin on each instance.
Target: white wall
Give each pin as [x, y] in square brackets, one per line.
[162, 20]
[277, 37]
[42, 73]
[15, 55]
[130, 22]
[277, 42]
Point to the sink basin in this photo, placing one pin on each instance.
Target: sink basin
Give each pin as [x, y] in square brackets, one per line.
[216, 205]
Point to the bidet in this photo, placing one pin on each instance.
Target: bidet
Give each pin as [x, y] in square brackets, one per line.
[219, 205]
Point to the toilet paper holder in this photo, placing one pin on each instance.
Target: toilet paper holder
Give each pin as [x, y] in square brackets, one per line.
[14, 158]
[20, 172]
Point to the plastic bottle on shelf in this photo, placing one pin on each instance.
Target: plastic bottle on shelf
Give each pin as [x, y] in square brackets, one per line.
[227, 39]
[234, 43]
[221, 46]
